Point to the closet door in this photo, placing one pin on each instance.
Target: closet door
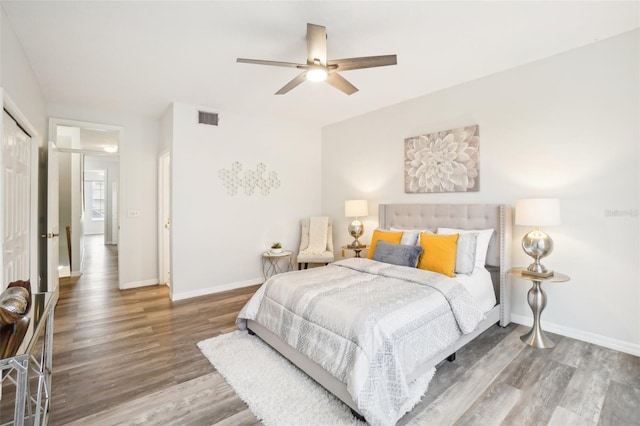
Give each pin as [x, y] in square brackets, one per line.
[16, 200]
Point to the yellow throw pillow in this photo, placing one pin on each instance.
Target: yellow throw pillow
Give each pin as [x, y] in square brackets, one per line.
[386, 236]
[439, 253]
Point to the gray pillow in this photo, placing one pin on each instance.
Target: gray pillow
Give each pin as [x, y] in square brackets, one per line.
[410, 236]
[397, 254]
[466, 253]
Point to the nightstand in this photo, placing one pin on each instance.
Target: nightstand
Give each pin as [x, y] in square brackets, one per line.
[537, 299]
[356, 250]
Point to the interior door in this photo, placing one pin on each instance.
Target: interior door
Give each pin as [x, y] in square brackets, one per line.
[115, 226]
[16, 201]
[165, 218]
[53, 225]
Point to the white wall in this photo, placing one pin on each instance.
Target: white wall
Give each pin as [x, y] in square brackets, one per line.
[18, 79]
[565, 127]
[217, 238]
[137, 248]
[166, 131]
[18, 82]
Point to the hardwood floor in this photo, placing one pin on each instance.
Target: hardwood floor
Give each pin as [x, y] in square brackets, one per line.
[112, 347]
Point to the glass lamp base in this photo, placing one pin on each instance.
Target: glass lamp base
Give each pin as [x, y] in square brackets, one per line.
[537, 244]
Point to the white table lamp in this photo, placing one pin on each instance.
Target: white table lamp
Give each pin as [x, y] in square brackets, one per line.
[356, 209]
[538, 212]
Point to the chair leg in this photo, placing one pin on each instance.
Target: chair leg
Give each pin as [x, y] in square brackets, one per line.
[299, 266]
[306, 265]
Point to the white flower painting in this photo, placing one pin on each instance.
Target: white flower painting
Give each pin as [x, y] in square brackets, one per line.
[446, 161]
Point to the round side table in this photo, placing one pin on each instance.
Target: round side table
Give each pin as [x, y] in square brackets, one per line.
[537, 299]
[356, 250]
[275, 263]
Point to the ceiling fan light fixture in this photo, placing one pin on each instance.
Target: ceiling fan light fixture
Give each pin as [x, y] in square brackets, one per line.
[317, 74]
[318, 68]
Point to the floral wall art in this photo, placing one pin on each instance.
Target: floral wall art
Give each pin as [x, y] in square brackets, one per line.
[446, 161]
[249, 180]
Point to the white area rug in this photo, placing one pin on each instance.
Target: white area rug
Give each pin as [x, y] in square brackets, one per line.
[275, 390]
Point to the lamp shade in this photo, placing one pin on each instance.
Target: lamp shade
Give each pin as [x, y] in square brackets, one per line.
[356, 208]
[538, 212]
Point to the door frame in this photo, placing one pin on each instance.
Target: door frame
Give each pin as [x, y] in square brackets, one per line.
[54, 123]
[52, 234]
[164, 212]
[12, 108]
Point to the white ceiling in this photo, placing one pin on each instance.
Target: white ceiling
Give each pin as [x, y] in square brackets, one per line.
[138, 57]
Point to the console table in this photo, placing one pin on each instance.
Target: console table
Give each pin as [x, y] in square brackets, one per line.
[34, 355]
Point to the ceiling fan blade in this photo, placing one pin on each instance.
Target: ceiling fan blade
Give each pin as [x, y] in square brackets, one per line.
[293, 83]
[273, 63]
[316, 44]
[340, 83]
[364, 62]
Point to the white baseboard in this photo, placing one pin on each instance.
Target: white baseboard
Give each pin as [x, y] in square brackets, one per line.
[585, 336]
[136, 284]
[75, 274]
[215, 289]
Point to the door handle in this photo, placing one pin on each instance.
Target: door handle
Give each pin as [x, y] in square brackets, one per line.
[49, 235]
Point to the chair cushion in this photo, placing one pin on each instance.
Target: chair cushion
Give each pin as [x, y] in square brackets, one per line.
[326, 257]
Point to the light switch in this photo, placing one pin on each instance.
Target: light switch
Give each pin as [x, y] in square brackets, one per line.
[133, 213]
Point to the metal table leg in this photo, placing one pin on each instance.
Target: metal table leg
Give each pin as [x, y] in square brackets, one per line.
[537, 299]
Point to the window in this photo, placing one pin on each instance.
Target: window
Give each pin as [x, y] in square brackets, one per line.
[97, 200]
[95, 195]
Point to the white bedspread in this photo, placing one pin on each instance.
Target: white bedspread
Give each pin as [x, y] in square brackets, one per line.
[369, 324]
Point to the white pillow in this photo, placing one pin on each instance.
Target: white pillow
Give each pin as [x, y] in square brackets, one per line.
[410, 236]
[466, 253]
[482, 245]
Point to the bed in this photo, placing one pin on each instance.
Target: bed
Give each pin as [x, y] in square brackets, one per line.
[398, 217]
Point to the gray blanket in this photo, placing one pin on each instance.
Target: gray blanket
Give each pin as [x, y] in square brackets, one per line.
[369, 324]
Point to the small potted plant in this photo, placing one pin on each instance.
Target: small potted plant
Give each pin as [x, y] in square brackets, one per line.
[276, 248]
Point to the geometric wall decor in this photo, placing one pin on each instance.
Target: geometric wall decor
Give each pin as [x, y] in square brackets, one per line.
[235, 179]
[446, 161]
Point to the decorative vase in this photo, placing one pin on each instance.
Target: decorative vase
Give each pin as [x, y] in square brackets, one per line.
[275, 250]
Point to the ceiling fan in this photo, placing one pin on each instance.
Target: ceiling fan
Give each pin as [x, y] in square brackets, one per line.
[318, 68]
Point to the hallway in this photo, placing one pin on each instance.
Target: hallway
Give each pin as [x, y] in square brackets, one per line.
[111, 346]
[100, 260]
[95, 251]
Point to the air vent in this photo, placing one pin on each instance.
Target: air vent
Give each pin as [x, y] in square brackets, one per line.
[210, 118]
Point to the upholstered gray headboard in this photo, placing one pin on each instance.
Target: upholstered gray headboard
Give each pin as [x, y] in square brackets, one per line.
[462, 216]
